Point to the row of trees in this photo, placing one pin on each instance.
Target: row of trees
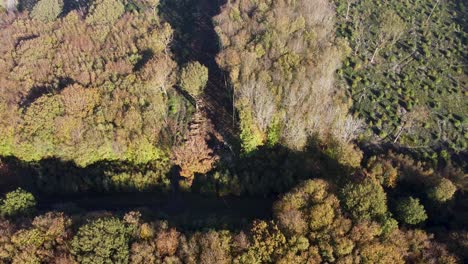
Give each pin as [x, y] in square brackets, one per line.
[309, 226]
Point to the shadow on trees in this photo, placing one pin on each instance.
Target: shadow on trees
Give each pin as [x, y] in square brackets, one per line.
[233, 194]
[378, 148]
[194, 36]
[56, 176]
[270, 171]
[266, 172]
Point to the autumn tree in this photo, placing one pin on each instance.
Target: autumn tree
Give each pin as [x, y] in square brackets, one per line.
[47, 10]
[281, 58]
[194, 156]
[383, 171]
[215, 247]
[104, 93]
[46, 241]
[289, 210]
[311, 215]
[7, 249]
[309, 226]
[268, 242]
[18, 202]
[167, 242]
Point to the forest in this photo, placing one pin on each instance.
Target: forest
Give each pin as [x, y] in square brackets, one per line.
[233, 131]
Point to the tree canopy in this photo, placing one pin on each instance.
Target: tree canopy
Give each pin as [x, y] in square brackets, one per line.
[162, 131]
[193, 78]
[442, 191]
[88, 92]
[411, 211]
[365, 201]
[47, 10]
[18, 202]
[102, 241]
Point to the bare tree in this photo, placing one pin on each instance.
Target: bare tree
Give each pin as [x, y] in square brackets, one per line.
[410, 120]
[432, 11]
[347, 129]
[261, 101]
[391, 27]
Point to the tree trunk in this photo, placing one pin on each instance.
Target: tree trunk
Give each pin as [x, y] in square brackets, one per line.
[375, 53]
[347, 10]
[432, 11]
[399, 134]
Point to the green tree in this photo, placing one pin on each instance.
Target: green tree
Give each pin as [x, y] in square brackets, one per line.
[18, 202]
[442, 191]
[105, 12]
[410, 211]
[105, 240]
[193, 78]
[365, 201]
[47, 10]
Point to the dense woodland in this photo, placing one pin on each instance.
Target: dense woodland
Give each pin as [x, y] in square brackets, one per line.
[351, 115]
[308, 226]
[88, 88]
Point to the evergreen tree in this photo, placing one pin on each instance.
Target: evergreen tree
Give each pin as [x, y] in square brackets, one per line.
[411, 211]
